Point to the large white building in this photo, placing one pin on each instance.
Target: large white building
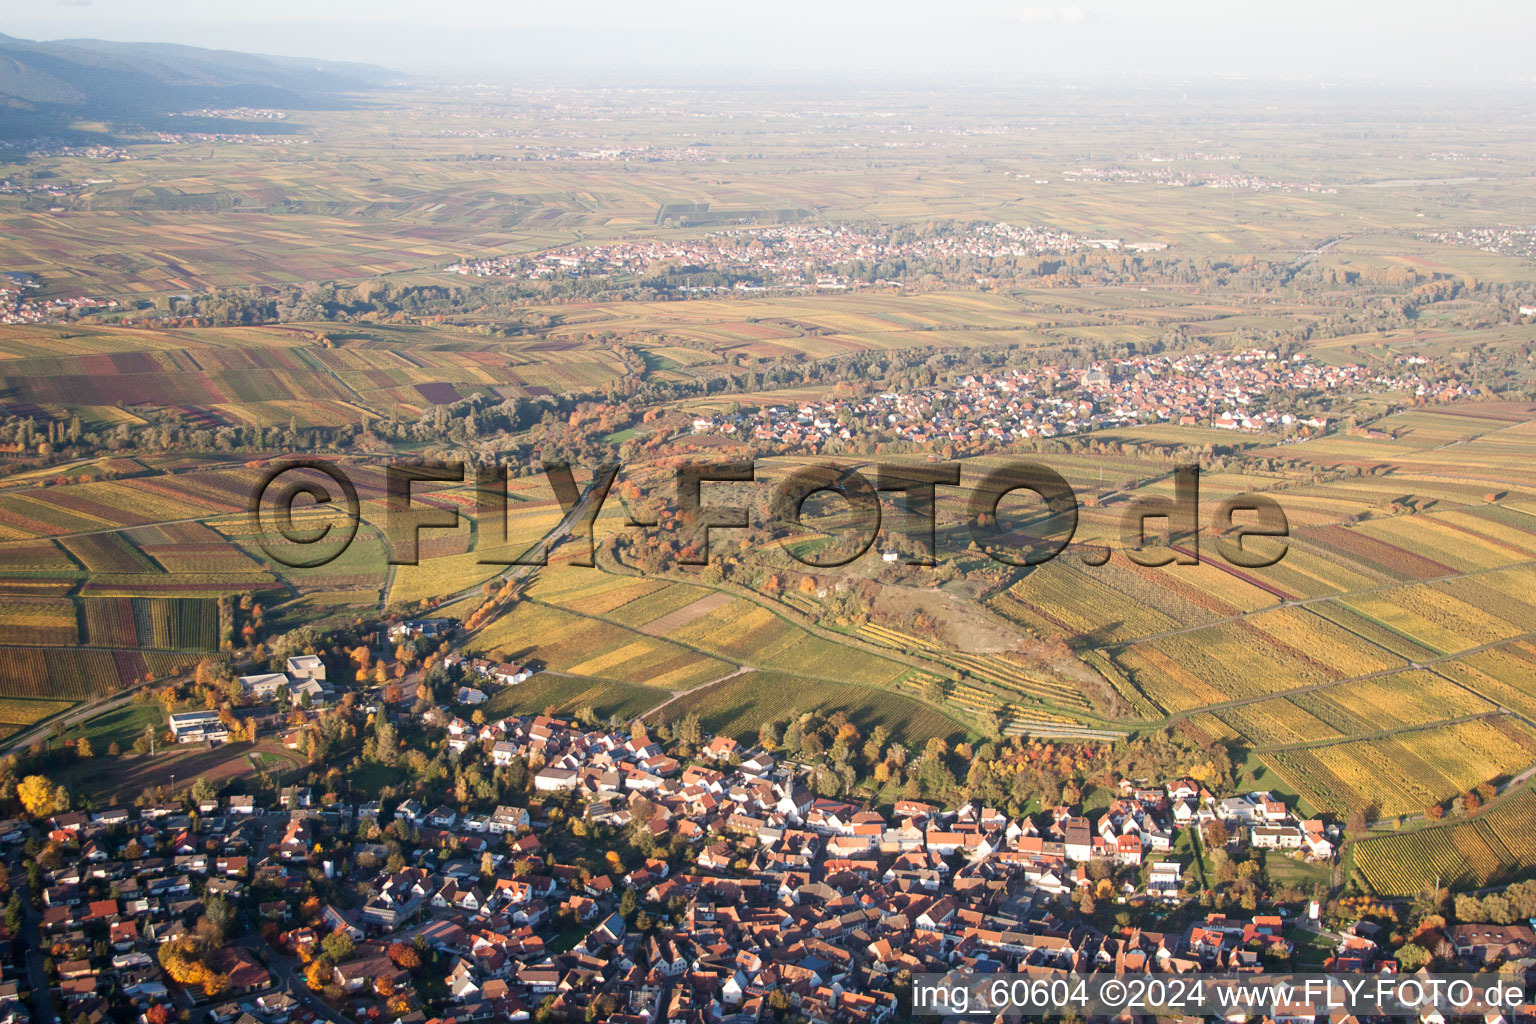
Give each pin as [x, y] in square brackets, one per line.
[198, 727]
[306, 666]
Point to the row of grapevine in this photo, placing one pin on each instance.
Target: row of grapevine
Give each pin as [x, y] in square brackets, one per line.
[1491, 848]
[166, 623]
[992, 668]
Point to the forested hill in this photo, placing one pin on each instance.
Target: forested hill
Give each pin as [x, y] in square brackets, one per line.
[43, 83]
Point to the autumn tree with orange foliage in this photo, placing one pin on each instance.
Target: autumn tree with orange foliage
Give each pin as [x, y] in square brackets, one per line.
[404, 956]
[319, 974]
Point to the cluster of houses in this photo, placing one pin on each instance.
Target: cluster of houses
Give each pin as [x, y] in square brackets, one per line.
[497, 673]
[638, 152]
[1160, 173]
[1510, 241]
[1232, 391]
[1270, 826]
[431, 629]
[131, 880]
[778, 256]
[18, 306]
[53, 188]
[816, 898]
[782, 896]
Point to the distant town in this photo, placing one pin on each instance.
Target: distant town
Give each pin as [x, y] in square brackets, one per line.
[19, 306]
[1505, 241]
[797, 257]
[1174, 178]
[1255, 391]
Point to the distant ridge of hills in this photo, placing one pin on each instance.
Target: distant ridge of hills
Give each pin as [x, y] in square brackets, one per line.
[41, 82]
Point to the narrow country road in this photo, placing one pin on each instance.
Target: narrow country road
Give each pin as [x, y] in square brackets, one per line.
[37, 979]
[740, 670]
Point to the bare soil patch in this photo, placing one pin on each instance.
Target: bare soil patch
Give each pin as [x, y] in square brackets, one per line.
[967, 627]
[686, 614]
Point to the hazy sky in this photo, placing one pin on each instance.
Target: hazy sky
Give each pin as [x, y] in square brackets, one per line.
[1402, 41]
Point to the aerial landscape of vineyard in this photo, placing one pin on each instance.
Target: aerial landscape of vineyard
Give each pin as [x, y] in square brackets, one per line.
[1326, 300]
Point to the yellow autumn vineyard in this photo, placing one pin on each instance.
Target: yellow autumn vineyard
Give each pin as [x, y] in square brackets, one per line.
[1489, 848]
[1405, 772]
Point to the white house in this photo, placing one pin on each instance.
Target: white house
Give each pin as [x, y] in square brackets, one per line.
[552, 779]
[1165, 877]
[508, 819]
[1315, 838]
[510, 675]
[263, 686]
[1276, 837]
